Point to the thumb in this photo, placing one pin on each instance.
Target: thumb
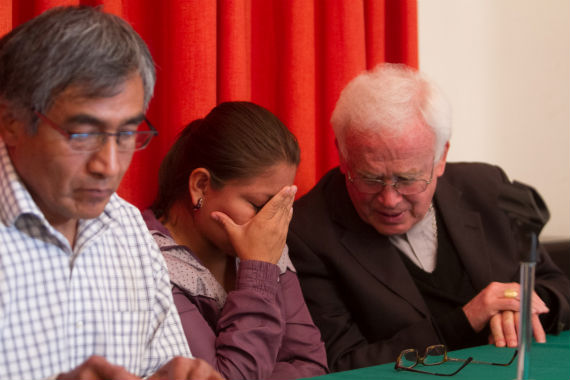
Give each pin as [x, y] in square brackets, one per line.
[225, 221]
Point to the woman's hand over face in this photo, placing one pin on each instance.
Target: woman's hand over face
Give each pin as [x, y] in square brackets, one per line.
[263, 237]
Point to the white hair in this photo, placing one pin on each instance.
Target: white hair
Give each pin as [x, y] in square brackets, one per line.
[388, 99]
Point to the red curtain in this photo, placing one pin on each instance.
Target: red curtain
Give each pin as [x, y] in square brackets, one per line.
[290, 56]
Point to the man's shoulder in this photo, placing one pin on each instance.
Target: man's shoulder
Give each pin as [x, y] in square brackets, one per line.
[466, 173]
[123, 211]
[482, 168]
[329, 183]
[314, 203]
[476, 183]
[128, 219]
[318, 212]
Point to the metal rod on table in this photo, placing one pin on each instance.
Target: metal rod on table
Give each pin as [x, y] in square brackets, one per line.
[525, 323]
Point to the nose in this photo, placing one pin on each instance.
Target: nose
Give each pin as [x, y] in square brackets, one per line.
[389, 196]
[105, 162]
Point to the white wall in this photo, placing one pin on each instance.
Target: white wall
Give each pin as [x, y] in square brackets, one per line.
[505, 67]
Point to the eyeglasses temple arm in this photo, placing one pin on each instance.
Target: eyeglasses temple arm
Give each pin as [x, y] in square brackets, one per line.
[465, 362]
[151, 127]
[489, 363]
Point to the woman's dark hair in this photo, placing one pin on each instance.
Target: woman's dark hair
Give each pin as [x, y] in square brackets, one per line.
[235, 140]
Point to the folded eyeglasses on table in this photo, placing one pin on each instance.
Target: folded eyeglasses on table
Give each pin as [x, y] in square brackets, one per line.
[435, 355]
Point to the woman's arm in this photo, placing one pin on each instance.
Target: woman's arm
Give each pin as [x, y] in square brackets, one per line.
[302, 352]
[244, 341]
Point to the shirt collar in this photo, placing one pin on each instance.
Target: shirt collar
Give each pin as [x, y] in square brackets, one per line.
[420, 242]
[14, 197]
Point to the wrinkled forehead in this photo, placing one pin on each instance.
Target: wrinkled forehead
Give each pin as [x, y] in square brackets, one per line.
[88, 88]
[417, 140]
[84, 91]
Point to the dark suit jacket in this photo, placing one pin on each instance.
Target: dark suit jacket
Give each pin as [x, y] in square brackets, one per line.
[358, 289]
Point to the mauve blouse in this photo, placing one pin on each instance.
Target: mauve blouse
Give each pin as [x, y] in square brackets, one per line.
[260, 330]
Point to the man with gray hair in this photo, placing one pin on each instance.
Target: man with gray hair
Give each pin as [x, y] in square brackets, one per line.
[396, 249]
[84, 290]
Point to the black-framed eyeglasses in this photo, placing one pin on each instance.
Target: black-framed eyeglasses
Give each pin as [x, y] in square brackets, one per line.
[404, 186]
[127, 141]
[434, 355]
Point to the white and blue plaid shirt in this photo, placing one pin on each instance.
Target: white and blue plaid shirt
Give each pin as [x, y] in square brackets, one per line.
[109, 295]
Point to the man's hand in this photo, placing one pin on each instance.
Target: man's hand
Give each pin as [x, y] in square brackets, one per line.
[492, 300]
[505, 329]
[97, 368]
[263, 237]
[181, 368]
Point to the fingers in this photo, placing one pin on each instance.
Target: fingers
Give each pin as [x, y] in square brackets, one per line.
[495, 298]
[538, 305]
[186, 368]
[489, 302]
[97, 367]
[503, 329]
[497, 337]
[280, 208]
[508, 295]
[225, 221]
[537, 329]
[281, 204]
[509, 328]
[263, 236]
[202, 370]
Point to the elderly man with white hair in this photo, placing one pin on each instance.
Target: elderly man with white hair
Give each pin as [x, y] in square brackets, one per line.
[398, 249]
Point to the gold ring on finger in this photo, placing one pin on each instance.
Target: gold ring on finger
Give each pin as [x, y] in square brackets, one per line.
[510, 293]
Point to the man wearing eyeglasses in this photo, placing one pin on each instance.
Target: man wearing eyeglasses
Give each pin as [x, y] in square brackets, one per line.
[84, 292]
[395, 249]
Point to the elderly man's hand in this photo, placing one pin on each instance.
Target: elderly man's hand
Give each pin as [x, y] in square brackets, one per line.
[181, 368]
[97, 368]
[493, 300]
[505, 329]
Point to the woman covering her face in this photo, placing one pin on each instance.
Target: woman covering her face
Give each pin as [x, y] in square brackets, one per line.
[221, 218]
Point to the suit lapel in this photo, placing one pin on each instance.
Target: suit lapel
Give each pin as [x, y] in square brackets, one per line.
[465, 230]
[371, 250]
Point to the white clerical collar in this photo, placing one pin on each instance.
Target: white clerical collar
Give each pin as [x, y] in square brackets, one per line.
[419, 244]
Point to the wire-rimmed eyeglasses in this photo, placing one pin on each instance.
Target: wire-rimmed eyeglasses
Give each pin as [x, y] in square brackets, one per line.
[127, 141]
[434, 355]
[404, 186]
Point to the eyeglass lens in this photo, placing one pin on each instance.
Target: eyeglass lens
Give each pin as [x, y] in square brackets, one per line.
[408, 359]
[371, 186]
[126, 140]
[404, 187]
[434, 355]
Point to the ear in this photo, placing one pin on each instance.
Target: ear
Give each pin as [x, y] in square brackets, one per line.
[10, 126]
[440, 165]
[198, 184]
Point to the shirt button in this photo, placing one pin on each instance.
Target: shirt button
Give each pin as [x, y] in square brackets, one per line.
[79, 324]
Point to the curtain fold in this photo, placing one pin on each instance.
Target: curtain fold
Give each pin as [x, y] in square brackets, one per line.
[290, 56]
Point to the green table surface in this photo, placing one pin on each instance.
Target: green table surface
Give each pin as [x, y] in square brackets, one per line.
[549, 361]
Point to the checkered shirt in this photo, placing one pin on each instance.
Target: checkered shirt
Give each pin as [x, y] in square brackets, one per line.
[109, 295]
